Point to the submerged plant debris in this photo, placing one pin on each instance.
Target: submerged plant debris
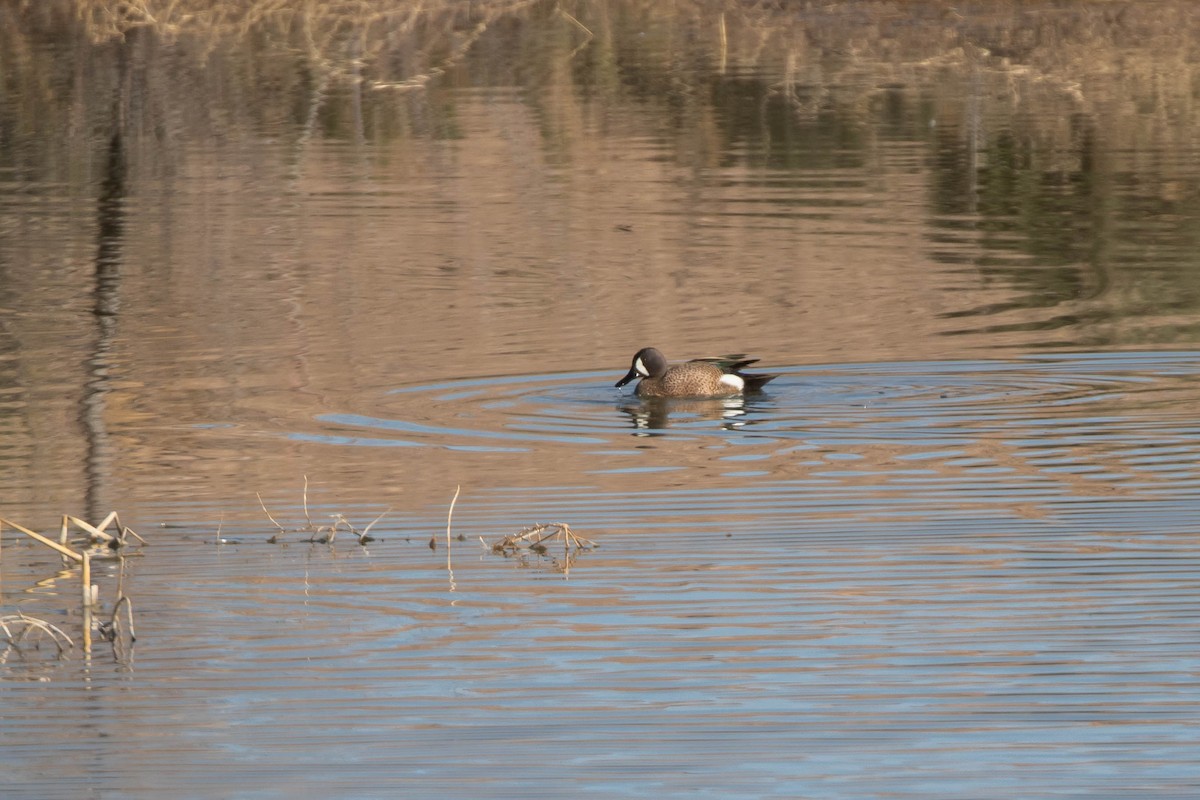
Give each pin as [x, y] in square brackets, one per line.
[22, 632]
[529, 545]
[536, 538]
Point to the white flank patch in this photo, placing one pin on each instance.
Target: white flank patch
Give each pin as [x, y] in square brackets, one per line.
[641, 368]
[733, 380]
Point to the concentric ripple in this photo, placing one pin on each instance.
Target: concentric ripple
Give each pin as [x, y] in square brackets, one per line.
[916, 403]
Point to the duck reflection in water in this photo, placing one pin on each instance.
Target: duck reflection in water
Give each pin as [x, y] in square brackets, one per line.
[655, 413]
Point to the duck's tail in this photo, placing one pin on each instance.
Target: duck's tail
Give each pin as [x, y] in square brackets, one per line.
[755, 381]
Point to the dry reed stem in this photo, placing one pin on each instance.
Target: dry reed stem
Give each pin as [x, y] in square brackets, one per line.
[61, 549]
[449, 516]
[362, 537]
[305, 499]
[96, 534]
[85, 580]
[268, 513]
[586, 32]
[117, 640]
[115, 623]
[329, 531]
[450, 513]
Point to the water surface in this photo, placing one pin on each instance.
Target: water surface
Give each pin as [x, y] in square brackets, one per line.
[950, 552]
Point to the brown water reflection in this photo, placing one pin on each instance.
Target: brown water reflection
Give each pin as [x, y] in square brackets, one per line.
[949, 551]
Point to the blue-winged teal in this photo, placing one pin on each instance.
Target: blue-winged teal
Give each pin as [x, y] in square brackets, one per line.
[702, 377]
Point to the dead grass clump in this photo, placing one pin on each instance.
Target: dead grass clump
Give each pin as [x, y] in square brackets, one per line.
[535, 539]
[539, 541]
[322, 534]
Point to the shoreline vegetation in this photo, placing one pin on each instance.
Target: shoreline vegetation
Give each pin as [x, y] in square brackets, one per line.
[1120, 71]
[401, 44]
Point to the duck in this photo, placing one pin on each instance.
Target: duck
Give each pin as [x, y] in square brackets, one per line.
[698, 378]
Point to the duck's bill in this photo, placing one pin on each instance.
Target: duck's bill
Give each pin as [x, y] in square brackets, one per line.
[631, 375]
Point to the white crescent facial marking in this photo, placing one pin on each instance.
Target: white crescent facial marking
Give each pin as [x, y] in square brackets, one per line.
[641, 368]
[733, 380]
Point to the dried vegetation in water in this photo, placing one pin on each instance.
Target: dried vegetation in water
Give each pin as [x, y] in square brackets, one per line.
[538, 538]
[321, 534]
[542, 540]
[79, 543]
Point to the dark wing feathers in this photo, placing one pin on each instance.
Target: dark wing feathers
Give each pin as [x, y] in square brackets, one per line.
[729, 363]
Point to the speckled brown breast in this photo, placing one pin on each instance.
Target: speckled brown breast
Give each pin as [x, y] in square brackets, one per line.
[693, 379]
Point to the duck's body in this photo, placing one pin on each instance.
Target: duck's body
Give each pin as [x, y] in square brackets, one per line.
[703, 377]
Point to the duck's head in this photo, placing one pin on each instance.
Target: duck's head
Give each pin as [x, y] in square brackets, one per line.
[647, 363]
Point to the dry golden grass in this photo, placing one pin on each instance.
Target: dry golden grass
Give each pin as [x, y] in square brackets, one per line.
[394, 44]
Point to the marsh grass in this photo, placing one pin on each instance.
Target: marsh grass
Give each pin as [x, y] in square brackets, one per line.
[334, 66]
